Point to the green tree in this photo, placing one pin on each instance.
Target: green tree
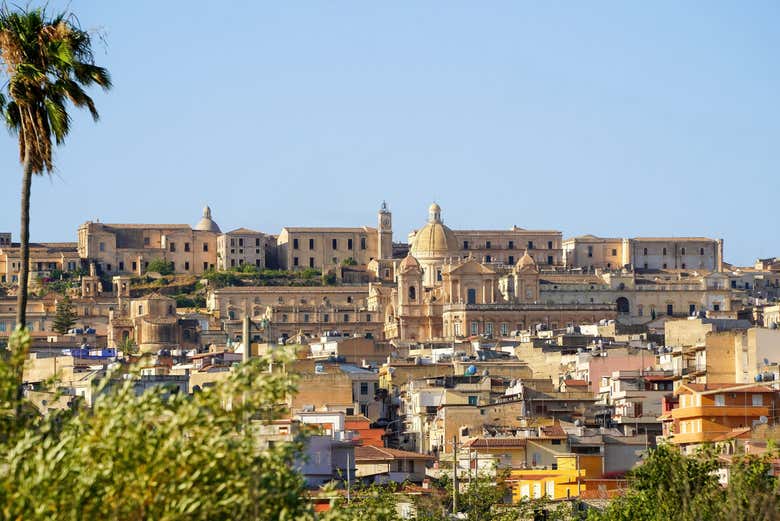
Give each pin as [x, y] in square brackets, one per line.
[161, 266]
[670, 485]
[64, 317]
[160, 455]
[48, 61]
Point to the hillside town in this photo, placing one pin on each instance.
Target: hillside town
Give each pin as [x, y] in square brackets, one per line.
[556, 361]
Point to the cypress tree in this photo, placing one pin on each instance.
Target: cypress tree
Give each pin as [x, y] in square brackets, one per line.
[65, 317]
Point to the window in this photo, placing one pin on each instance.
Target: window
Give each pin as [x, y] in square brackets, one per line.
[664, 251]
[720, 400]
[350, 411]
[549, 260]
[645, 251]
[205, 266]
[349, 244]
[232, 242]
[590, 251]
[474, 327]
[683, 265]
[549, 245]
[257, 242]
[530, 245]
[758, 400]
[472, 400]
[456, 329]
[346, 317]
[311, 244]
[326, 317]
[670, 309]
[664, 265]
[232, 262]
[471, 296]
[438, 275]
[186, 266]
[682, 251]
[489, 328]
[334, 244]
[135, 266]
[186, 246]
[465, 245]
[614, 252]
[108, 267]
[295, 261]
[121, 266]
[368, 318]
[488, 258]
[240, 242]
[645, 265]
[412, 293]
[295, 244]
[205, 246]
[284, 318]
[701, 251]
[362, 243]
[102, 246]
[172, 246]
[504, 329]
[511, 259]
[140, 310]
[363, 388]
[487, 245]
[311, 262]
[306, 318]
[511, 245]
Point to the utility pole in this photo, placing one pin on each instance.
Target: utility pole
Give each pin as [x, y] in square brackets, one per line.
[245, 335]
[455, 485]
[349, 488]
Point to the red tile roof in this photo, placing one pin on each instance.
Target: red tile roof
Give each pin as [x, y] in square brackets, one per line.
[483, 443]
[369, 453]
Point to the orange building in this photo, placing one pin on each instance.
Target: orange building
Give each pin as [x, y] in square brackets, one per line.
[710, 412]
[364, 434]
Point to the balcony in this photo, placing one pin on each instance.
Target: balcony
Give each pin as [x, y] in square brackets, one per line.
[748, 411]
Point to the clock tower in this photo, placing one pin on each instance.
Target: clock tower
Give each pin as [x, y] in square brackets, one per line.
[385, 231]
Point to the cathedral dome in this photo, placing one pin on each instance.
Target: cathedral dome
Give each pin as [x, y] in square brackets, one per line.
[434, 239]
[206, 224]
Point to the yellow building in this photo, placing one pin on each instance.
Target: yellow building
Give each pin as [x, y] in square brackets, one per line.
[567, 479]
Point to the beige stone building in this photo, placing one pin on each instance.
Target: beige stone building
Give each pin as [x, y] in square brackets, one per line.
[287, 311]
[644, 253]
[241, 246]
[45, 257]
[128, 248]
[327, 248]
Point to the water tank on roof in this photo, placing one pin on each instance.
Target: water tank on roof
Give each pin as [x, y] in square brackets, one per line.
[471, 370]
[319, 369]
[758, 378]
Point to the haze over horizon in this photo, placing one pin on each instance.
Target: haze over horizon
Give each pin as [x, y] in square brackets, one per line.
[608, 119]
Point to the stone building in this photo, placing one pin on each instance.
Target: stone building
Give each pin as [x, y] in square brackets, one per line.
[288, 311]
[45, 257]
[326, 248]
[241, 246]
[128, 248]
[644, 253]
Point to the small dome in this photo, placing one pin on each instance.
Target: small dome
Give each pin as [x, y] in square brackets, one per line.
[434, 239]
[526, 263]
[206, 224]
[409, 263]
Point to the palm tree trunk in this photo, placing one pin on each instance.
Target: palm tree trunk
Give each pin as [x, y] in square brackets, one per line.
[24, 269]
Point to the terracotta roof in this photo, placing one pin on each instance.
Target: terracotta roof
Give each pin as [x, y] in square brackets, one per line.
[238, 231]
[576, 383]
[369, 453]
[483, 443]
[553, 431]
[733, 433]
[730, 387]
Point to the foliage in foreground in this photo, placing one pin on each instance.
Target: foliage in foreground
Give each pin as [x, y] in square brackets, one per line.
[155, 456]
[672, 486]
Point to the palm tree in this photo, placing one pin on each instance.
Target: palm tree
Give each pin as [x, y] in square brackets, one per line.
[48, 60]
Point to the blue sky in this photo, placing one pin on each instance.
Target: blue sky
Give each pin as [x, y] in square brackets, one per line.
[611, 118]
